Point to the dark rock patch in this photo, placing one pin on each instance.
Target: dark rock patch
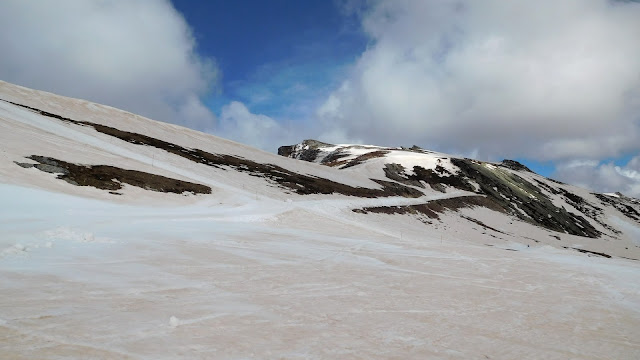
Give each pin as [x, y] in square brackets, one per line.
[286, 150]
[629, 207]
[440, 177]
[589, 252]
[333, 159]
[390, 188]
[364, 157]
[588, 209]
[437, 179]
[309, 152]
[514, 165]
[24, 165]
[628, 258]
[476, 221]
[523, 199]
[52, 169]
[111, 178]
[545, 186]
[435, 207]
[556, 181]
[310, 155]
[396, 172]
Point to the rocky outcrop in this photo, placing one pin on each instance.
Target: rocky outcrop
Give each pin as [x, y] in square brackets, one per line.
[523, 199]
[111, 178]
[629, 207]
[514, 165]
[307, 150]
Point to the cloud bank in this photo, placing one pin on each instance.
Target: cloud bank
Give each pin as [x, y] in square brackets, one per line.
[546, 80]
[603, 177]
[239, 124]
[138, 55]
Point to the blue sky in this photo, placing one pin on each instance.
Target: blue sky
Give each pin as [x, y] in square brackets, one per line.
[274, 54]
[553, 84]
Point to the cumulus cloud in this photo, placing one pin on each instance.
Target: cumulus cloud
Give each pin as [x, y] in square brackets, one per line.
[238, 123]
[138, 55]
[547, 80]
[602, 177]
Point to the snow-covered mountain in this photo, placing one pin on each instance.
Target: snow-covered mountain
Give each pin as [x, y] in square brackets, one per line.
[123, 237]
[507, 187]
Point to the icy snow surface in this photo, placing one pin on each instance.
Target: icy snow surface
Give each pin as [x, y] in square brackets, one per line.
[203, 281]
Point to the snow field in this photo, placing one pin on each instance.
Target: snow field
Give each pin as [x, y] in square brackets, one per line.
[196, 282]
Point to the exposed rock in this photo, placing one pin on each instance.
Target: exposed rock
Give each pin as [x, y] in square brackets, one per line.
[550, 189]
[111, 178]
[523, 199]
[589, 252]
[362, 158]
[395, 172]
[476, 221]
[24, 165]
[514, 165]
[433, 208]
[438, 181]
[630, 207]
[52, 169]
[286, 150]
[333, 159]
[308, 150]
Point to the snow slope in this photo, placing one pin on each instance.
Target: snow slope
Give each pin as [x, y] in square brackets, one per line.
[253, 270]
[604, 223]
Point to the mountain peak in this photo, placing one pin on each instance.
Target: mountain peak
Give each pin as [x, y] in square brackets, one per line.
[514, 165]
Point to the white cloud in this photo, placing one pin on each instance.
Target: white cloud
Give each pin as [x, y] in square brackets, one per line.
[548, 80]
[138, 55]
[602, 177]
[238, 123]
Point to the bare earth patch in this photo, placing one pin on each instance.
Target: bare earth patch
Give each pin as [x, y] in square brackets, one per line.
[111, 178]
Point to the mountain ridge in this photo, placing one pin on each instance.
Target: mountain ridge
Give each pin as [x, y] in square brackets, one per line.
[509, 185]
